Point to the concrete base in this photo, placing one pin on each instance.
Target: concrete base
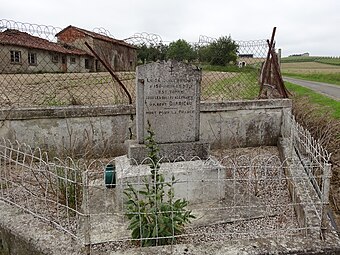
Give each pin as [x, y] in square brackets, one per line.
[307, 205]
[168, 151]
[197, 181]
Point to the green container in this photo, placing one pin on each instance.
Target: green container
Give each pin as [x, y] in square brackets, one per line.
[110, 176]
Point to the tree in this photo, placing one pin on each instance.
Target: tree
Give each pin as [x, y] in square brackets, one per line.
[203, 54]
[152, 52]
[181, 50]
[221, 52]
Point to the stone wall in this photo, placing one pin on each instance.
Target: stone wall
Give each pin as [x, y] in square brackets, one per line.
[104, 129]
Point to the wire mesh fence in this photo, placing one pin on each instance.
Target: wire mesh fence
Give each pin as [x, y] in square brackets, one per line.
[314, 158]
[50, 189]
[231, 196]
[49, 66]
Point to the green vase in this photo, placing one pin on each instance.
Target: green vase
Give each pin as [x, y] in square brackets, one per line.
[110, 176]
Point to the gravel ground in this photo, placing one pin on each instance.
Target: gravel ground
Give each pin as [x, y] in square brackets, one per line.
[262, 184]
[276, 218]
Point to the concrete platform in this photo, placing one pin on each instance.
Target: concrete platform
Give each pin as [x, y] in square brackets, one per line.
[197, 181]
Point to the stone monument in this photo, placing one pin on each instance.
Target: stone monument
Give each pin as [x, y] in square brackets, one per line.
[168, 97]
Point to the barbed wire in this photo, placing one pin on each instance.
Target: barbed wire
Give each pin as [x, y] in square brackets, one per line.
[33, 29]
[204, 40]
[103, 31]
[35, 72]
[144, 38]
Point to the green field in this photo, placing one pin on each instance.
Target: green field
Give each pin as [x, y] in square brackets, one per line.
[318, 59]
[321, 69]
[330, 61]
[332, 78]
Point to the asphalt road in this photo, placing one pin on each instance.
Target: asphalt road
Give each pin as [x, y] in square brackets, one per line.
[329, 90]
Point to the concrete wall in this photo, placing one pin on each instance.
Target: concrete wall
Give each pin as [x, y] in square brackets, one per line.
[103, 130]
[242, 123]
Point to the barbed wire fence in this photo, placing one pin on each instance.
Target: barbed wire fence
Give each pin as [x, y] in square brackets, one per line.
[48, 66]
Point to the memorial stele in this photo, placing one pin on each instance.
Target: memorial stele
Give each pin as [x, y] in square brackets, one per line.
[168, 97]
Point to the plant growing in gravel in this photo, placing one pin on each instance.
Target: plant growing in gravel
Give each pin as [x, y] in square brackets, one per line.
[155, 216]
[69, 187]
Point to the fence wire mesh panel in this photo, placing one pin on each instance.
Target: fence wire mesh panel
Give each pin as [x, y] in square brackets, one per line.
[314, 158]
[50, 189]
[230, 196]
[222, 81]
[49, 66]
[241, 198]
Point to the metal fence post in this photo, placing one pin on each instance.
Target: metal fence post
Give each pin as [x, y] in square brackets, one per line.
[86, 209]
[325, 196]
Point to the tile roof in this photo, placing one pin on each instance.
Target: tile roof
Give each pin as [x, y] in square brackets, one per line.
[18, 38]
[98, 36]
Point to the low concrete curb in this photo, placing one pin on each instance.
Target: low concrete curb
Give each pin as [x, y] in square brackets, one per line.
[23, 234]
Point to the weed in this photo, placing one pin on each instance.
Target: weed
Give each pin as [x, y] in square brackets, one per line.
[69, 188]
[155, 217]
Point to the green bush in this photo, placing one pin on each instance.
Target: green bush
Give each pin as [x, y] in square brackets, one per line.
[155, 216]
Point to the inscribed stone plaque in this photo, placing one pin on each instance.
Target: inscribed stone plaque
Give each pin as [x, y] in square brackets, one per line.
[168, 96]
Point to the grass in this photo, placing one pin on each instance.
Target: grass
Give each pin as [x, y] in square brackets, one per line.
[319, 59]
[240, 86]
[319, 70]
[324, 103]
[298, 59]
[228, 68]
[330, 61]
[332, 78]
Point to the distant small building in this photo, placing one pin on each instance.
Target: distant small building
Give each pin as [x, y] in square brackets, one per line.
[306, 54]
[246, 55]
[121, 55]
[21, 52]
[244, 59]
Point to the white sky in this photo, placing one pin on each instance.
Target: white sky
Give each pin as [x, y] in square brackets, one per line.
[302, 25]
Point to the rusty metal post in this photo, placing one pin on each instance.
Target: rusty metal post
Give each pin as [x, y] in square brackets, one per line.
[115, 77]
[110, 70]
[271, 43]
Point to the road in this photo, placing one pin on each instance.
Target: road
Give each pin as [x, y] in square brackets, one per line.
[329, 90]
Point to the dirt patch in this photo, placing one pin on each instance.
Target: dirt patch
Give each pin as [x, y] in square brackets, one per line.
[58, 89]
